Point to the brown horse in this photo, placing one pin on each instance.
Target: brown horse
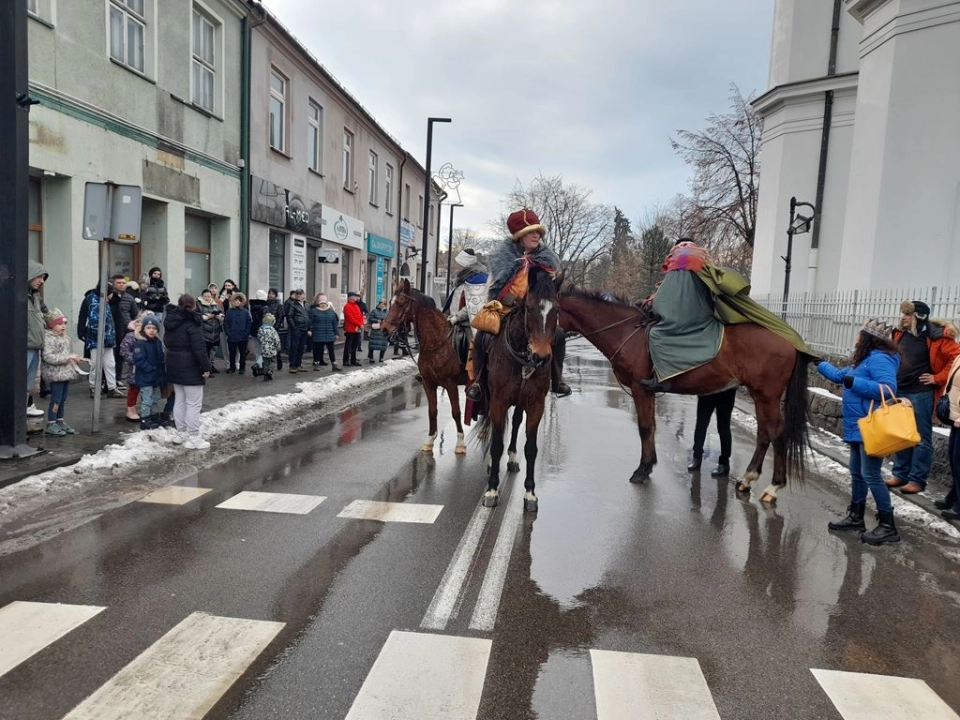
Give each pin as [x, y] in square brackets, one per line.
[518, 374]
[770, 367]
[438, 361]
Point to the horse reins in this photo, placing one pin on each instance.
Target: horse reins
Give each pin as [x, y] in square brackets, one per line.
[639, 327]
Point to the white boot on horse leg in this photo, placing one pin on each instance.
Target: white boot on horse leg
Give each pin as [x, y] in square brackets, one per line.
[461, 448]
[770, 494]
[512, 464]
[749, 477]
[530, 502]
[491, 498]
[428, 444]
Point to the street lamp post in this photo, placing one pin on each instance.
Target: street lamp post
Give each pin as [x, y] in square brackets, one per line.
[799, 224]
[428, 178]
[450, 243]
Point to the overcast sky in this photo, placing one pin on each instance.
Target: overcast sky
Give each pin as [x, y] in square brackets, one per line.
[590, 90]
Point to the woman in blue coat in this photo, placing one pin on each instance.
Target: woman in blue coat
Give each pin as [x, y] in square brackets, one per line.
[875, 362]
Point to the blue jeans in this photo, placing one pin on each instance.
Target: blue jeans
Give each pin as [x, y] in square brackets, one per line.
[33, 364]
[149, 401]
[58, 398]
[865, 475]
[913, 464]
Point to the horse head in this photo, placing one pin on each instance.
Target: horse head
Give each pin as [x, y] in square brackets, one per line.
[541, 313]
[402, 309]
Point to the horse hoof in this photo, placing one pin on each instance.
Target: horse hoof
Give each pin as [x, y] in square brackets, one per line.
[461, 450]
[639, 477]
[513, 466]
[742, 487]
[490, 500]
[768, 498]
[427, 449]
[530, 504]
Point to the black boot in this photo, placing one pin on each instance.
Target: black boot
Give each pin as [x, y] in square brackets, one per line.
[557, 385]
[694, 465]
[853, 520]
[721, 470]
[164, 419]
[884, 532]
[475, 392]
[148, 423]
[655, 385]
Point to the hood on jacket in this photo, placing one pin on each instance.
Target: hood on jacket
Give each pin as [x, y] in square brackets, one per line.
[35, 270]
[177, 316]
[237, 295]
[939, 327]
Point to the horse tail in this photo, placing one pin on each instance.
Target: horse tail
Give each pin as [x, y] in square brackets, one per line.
[481, 436]
[795, 431]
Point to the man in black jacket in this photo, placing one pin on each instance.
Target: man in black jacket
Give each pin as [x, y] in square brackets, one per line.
[124, 308]
[298, 322]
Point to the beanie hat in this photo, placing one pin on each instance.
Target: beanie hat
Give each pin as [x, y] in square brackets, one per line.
[261, 294]
[353, 293]
[150, 320]
[54, 318]
[522, 222]
[879, 329]
[915, 307]
[269, 319]
[466, 258]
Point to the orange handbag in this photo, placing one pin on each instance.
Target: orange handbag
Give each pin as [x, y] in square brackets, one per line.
[890, 428]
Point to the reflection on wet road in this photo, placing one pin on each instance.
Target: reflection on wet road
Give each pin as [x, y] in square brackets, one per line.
[367, 562]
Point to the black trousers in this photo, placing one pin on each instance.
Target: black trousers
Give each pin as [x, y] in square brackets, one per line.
[721, 403]
[238, 348]
[319, 347]
[351, 342]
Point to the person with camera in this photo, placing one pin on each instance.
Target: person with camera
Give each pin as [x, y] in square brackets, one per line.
[212, 316]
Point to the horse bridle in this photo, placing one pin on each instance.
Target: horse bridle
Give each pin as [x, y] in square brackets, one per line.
[640, 326]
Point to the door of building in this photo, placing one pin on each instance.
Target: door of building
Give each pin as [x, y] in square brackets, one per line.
[313, 277]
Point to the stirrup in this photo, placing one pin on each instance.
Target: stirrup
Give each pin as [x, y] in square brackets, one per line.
[475, 392]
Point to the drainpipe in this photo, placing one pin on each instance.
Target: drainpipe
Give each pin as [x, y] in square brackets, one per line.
[827, 122]
[399, 259]
[245, 154]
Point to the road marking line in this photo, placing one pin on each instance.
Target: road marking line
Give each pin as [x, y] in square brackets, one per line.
[174, 495]
[860, 696]
[184, 673]
[421, 676]
[633, 686]
[391, 511]
[26, 628]
[485, 611]
[448, 593]
[272, 502]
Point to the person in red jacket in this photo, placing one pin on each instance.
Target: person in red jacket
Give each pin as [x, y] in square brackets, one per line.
[353, 322]
[927, 350]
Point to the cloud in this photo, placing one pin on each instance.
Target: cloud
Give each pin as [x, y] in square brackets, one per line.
[591, 91]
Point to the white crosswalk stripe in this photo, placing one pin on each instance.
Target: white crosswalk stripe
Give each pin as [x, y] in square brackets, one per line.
[633, 686]
[26, 628]
[391, 511]
[184, 673]
[272, 502]
[174, 495]
[861, 696]
[421, 676]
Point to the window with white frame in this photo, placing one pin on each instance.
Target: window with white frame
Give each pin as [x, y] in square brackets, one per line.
[278, 104]
[388, 195]
[127, 32]
[315, 137]
[348, 159]
[204, 60]
[372, 179]
[419, 211]
[33, 7]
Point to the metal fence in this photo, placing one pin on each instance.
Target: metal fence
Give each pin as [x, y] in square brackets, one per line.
[829, 322]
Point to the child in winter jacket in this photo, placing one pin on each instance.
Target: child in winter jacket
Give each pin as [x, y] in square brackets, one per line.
[269, 340]
[236, 324]
[58, 368]
[148, 359]
[129, 369]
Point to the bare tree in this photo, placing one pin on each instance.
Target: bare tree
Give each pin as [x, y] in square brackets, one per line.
[577, 229]
[725, 157]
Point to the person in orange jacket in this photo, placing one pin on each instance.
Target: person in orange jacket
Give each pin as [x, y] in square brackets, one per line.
[927, 350]
[353, 322]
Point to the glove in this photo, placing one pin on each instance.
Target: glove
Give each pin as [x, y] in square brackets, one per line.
[848, 381]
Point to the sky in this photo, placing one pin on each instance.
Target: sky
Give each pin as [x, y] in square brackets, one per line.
[592, 91]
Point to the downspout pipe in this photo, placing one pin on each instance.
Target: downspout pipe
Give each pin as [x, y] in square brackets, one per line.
[827, 123]
[245, 154]
[399, 261]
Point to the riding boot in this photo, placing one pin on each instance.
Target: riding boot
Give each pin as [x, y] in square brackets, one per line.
[654, 385]
[884, 532]
[557, 385]
[475, 391]
[853, 519]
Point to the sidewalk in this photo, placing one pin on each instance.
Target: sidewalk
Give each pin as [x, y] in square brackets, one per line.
[220, 390]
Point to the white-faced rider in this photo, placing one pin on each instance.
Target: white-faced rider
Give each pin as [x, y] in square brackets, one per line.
[508, 285]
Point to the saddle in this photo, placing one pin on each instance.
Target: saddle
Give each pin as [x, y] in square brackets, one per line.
[461, 343]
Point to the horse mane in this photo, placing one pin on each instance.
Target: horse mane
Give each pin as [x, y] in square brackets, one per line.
[422, 300]
[584, 294]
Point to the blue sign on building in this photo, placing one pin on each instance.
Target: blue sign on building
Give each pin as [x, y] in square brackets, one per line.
[377, 245]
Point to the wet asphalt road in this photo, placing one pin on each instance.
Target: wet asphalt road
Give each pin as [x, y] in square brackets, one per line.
[679, 566]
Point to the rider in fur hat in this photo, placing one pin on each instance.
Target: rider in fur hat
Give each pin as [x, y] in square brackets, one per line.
[509, 268]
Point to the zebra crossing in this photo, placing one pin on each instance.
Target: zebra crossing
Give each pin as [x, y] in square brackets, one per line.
[416, 676]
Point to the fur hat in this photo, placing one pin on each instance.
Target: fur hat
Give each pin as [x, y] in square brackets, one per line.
[522, 222]
[269, 319]
[132, 285]
[466, 258]
[261, 294]
[238, 296]
[915, 307]
[54, 317]
[878, 328]
[150, 320]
